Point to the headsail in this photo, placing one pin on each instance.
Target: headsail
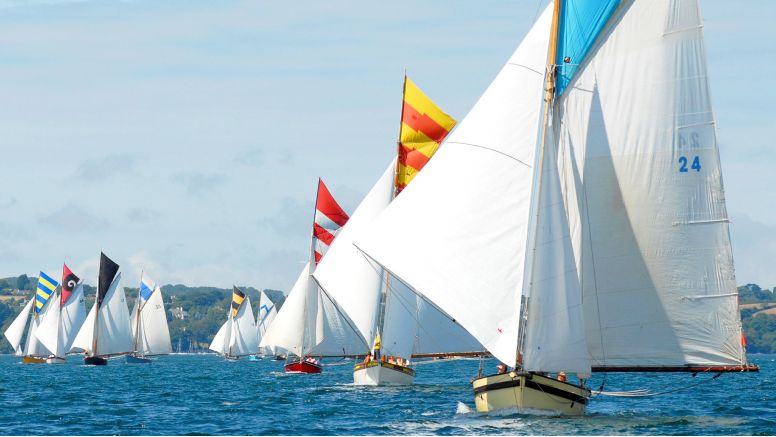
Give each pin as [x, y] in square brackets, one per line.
[15, 330]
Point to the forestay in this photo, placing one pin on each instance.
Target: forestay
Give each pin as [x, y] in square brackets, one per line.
[474, 197]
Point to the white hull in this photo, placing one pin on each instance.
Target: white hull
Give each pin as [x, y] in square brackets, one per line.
[55, 360]
[377, 373]
[527, 392]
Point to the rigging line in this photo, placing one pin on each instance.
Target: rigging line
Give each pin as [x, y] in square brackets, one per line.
[375, 266]
[490, 149]
[342, 312]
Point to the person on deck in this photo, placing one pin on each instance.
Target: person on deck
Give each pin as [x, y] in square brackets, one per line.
[502, 368]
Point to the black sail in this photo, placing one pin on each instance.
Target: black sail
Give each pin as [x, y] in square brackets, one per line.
[108, 270]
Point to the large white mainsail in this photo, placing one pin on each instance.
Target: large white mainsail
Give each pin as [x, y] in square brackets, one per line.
[476, 192]
[112, 335]
[15, 330]
[652, 230]
[152, 334]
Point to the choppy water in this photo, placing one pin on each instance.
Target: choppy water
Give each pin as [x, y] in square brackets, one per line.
[207, 395]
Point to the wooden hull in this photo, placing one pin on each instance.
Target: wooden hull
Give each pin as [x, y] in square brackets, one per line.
[380, 373]
[302, 367]
[33, 360]
[136, 359]
[95, 361]
[55, 360]
[528, 391]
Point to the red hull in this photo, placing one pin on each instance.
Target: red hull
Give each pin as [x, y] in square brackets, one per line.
[302, 367]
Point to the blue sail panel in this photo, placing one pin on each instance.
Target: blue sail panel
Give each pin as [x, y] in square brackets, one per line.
[580, 23]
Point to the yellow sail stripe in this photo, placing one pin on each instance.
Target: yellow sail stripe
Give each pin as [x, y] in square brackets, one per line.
[418, 100]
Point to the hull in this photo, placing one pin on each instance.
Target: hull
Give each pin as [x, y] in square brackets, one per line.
[33, 360]
[302, 367]
[380, 373]
[95, 361]
[528, 391]
[136, 359]
[55, 360]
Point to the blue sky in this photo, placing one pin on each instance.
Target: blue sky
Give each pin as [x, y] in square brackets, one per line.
[186, 137]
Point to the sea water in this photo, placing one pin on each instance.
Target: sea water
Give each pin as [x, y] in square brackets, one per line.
[204, 394]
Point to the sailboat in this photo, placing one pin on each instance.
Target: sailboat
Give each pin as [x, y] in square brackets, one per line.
[308, 327]
[237, 337]
[267, 313]
[63, 317]
[107, 330]
[33, 352]
[149, 323]
[384, 311]
[578, 211]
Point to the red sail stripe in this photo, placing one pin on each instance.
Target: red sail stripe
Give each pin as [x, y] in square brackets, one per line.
[318, 257]
[322, 234]
[411, 157]
[328, 206]
[423, 123]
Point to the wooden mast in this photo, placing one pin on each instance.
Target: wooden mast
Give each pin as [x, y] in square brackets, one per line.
[549, 96]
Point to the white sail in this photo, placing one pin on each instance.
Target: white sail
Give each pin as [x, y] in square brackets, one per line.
[345, 275]
[83, 340]
[15, 330]
[437, 334]
[297, 320]
[153, 334]
[267, 313]
[221, 341]
[244, 340]
[72, 316]
[474, 198]
[400, 325]
[49, 328]
[652, 229]
[33, 346]
[339, 338]
[555, 330]
[114, 331]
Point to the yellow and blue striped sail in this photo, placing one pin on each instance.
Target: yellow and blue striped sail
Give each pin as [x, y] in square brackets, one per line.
[46, 287]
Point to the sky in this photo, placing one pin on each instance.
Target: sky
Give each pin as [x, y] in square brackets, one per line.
[185, 138]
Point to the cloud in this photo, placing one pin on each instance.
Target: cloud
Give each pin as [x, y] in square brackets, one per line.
[252, 158]
[106, 167]
[197, 183]
[140, 215]
[74, 218]
[290, 218]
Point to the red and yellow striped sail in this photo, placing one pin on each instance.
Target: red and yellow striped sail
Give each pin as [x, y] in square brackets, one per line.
[423, 127]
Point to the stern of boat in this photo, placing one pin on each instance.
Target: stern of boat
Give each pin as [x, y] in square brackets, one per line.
[382, 373]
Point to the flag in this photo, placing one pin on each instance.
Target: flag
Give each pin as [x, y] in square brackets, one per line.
[329, 218]
[46, 287]
[237, 299]
[147, 287]
[69, 281]
[108, 270]
[423, 127]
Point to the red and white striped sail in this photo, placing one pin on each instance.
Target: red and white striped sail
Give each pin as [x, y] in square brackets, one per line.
[329, 218]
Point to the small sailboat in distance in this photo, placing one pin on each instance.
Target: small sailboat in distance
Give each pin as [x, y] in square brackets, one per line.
[149, 323]
[238, 336]
[34, 352]
[266, 315]
[63, 318]
[107, 330]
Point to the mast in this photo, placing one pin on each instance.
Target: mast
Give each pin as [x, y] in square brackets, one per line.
[137, 316]
[394, 193]
[310, 271]
[549, 96]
